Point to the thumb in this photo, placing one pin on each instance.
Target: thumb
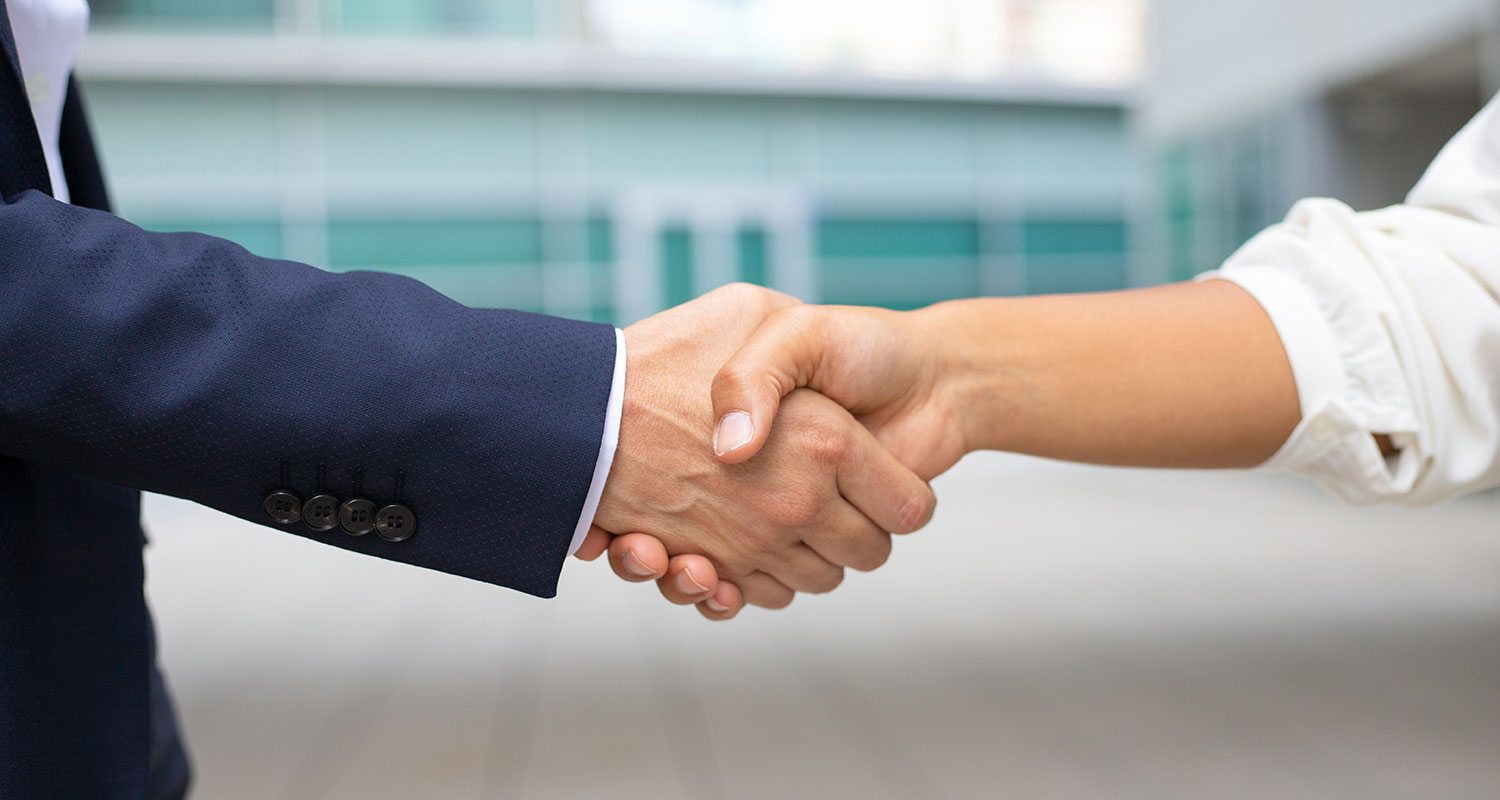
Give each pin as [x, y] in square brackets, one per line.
[781, 355]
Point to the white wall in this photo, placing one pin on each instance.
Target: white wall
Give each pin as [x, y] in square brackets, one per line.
[1216, 62]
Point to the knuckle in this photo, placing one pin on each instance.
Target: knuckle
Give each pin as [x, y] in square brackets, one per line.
[917, 510]
[798, 509]
[747, 296]
[828, 445]
[739, 290]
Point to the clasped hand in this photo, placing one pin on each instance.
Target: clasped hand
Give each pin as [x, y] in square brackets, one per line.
[733, 484]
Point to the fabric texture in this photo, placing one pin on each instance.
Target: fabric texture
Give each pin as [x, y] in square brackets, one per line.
[1391, 321]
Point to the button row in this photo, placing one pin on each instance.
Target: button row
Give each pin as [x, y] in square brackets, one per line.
[358, 517]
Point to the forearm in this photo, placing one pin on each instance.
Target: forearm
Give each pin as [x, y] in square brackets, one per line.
[181, 364]
[1187, 375]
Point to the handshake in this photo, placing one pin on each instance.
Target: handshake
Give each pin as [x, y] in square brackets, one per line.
[760, 455]
[766, 446]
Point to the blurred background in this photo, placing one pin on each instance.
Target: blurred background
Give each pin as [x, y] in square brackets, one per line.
[1059, 631]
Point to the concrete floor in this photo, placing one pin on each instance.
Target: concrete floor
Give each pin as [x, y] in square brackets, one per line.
[1058, 632]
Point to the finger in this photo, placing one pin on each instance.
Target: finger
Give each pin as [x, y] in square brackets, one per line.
[781, 355]
[689, 580]
[765, 591]
[595, 542]
[726, 602]
[638, 557]
[801, 569]
[850, 539]
[873, 481]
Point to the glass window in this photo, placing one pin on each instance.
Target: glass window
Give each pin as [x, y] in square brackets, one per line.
[754, 267]
[506, 17]
[1081, 272]
[397, 243]
[1065, 256]
[1074, 236]
[260, 238]
[601, 243]
[518, 286]
[905, 238]
[898, 263]
[898, 283]
[187, 10]
[677, 265]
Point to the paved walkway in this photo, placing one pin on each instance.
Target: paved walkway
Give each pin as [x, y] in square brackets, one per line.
[1059, 632]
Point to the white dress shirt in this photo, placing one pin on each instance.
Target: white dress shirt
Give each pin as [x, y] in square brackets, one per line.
[607, 446]
[49, 35]
[1391, 321]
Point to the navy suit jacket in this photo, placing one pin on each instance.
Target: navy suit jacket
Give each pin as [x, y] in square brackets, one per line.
[182, 364]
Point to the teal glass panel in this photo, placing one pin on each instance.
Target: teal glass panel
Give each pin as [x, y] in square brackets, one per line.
[601, 244]
[909, 238]
[150, 131]
[396, 243]
[601, 283]
[753, 264]
[260, 238]
[1182, 213]
[858, 138]
[677, 265]
[1067, 274]
[506, 17]
[1074, 236]
[1064, 256]
[517, 286]
[126, 11]
[1079, 143]
[430, 133]
[601, 256]
[693, 137]
[898, 283]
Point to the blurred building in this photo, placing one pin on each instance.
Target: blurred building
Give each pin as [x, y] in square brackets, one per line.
[1250, 105]
[607, 158]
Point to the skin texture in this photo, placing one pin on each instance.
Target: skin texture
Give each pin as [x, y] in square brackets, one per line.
[1188, 375]
[823, 494]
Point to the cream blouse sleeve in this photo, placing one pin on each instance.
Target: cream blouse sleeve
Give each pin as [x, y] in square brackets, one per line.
[1391, 321]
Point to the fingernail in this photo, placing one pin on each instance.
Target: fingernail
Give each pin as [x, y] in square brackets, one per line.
[715, 606]
[734, 432]
[637, 567]
[687, 585]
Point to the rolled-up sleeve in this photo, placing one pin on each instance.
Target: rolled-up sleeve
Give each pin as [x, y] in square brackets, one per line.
[1391, 323]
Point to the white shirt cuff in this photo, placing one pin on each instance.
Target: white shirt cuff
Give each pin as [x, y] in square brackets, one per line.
[607, 445]
[1323, 335]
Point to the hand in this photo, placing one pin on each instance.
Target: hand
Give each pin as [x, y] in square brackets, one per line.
[886, 367]
[1184, 376]
[684, 580]
[823, 496]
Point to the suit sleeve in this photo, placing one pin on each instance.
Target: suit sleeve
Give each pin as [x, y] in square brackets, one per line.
[184, 365]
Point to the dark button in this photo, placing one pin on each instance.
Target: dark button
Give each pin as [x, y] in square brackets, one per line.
[395, 523]
[282, 507]
[321, 512]
[357, 516]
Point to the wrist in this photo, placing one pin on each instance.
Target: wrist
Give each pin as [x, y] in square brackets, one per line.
[980, 378]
